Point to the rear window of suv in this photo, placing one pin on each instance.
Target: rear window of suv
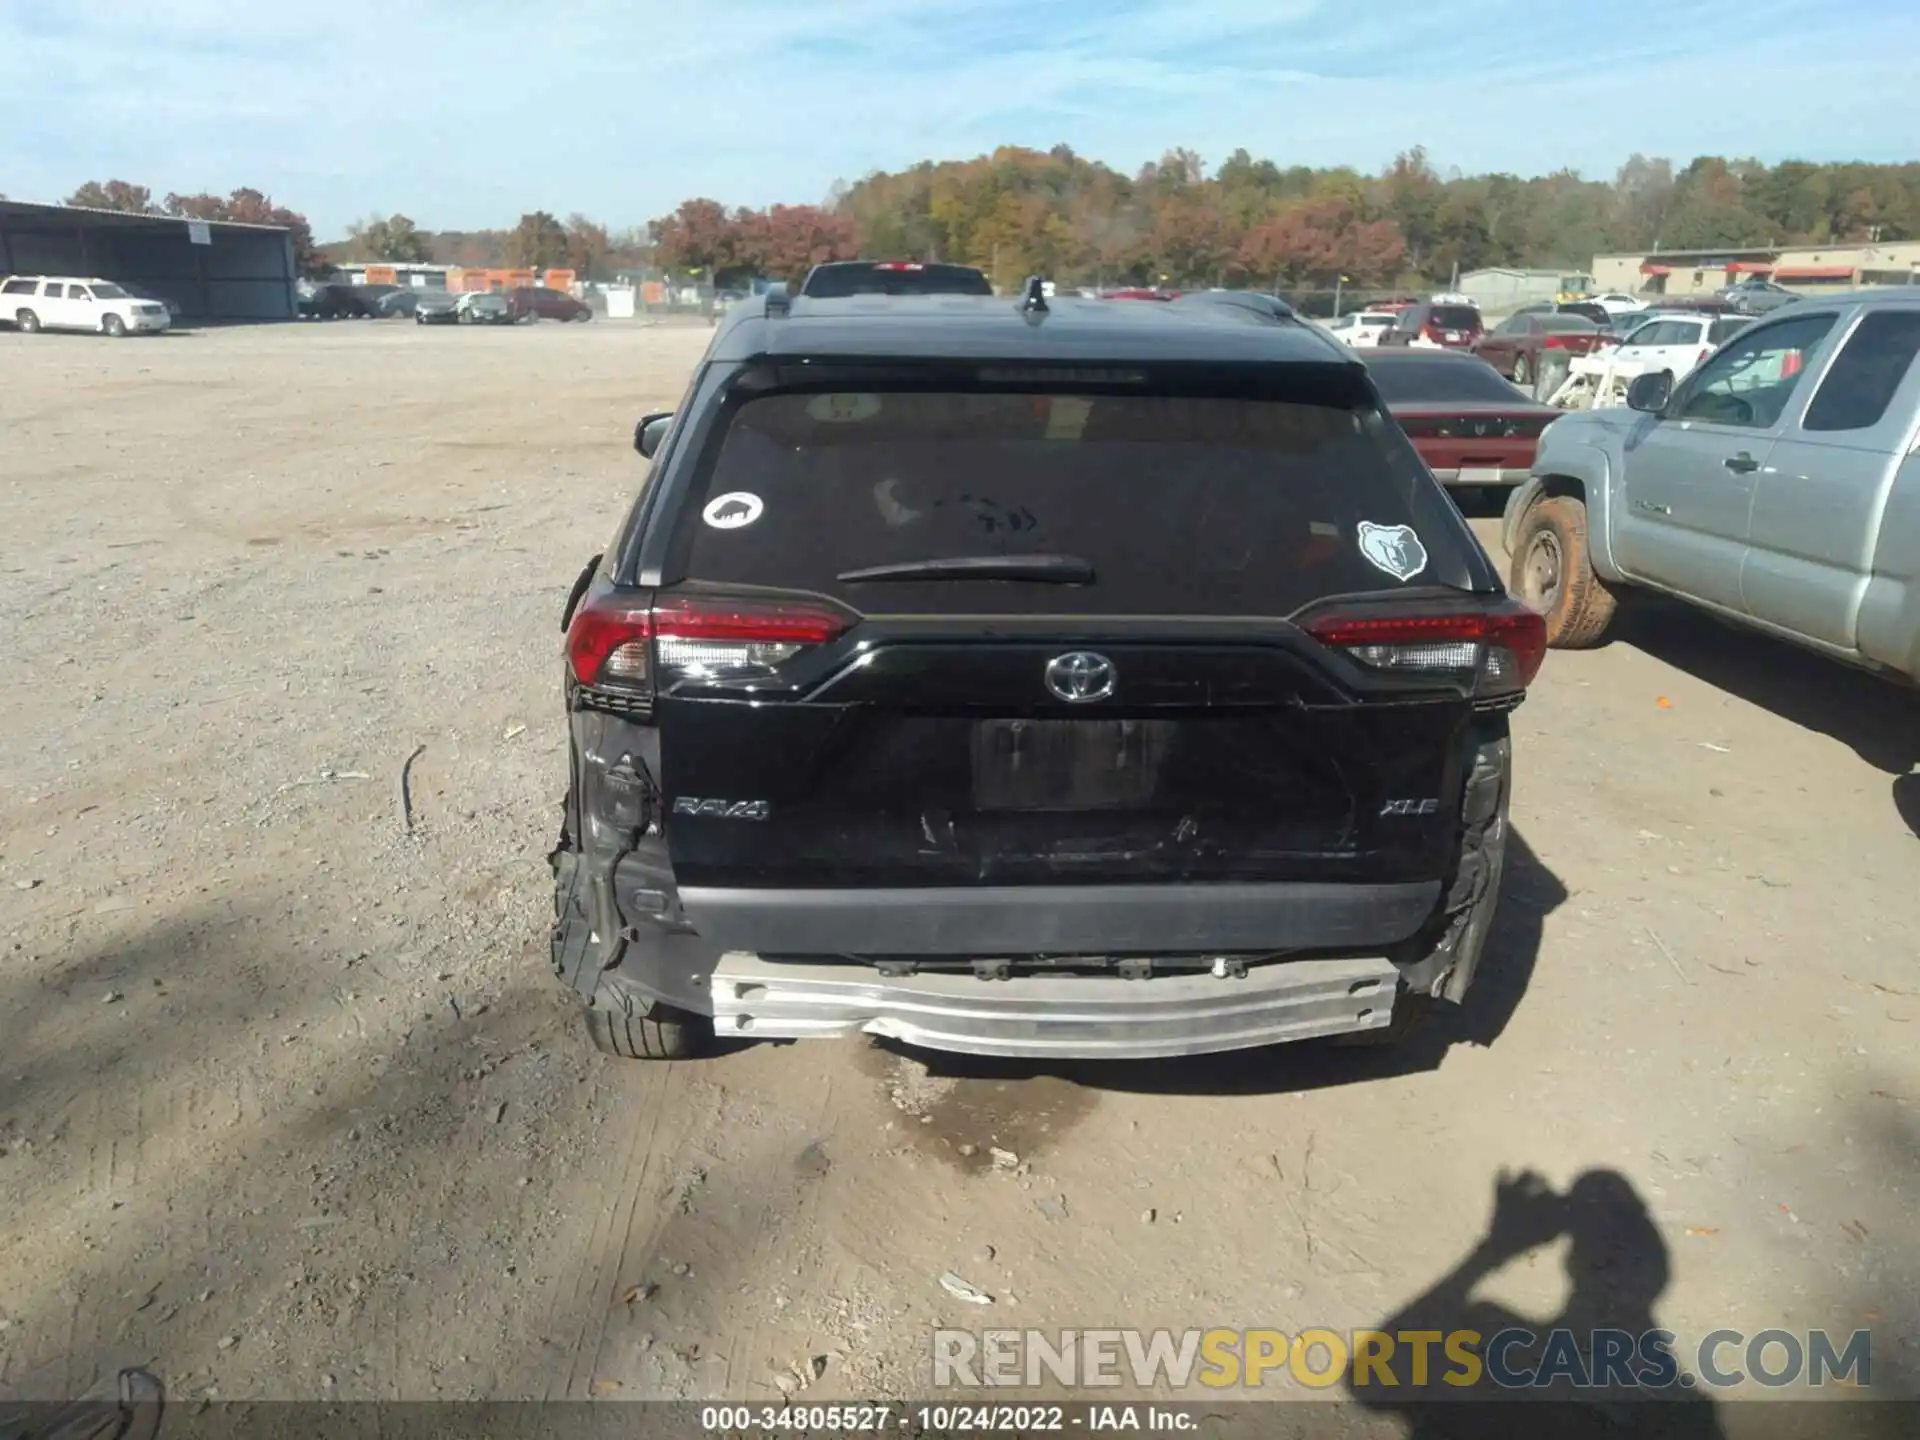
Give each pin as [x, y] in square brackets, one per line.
[1455, 317]
[1181, 505]
[838, 281]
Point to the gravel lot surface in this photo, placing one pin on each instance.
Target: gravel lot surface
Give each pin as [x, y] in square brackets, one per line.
[291, 1107]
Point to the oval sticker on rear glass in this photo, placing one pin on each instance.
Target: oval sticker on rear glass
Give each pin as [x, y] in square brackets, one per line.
[732, 510]
[843, 409]
[1393, 548]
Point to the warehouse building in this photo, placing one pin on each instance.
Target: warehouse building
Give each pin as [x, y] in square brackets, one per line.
[393, 272]
[209, 269]
[1810, 269]
[1501, 289]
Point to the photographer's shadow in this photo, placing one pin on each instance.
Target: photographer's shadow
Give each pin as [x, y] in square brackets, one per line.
[1617, 1266]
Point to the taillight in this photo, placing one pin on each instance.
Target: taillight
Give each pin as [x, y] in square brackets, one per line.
[1701, 358]
[616, 645]
[1432, 333]
[1501, 646]
[1557, 342]
[704, 639]
[607, 644]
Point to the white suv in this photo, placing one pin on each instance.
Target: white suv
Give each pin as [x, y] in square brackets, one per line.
[64, 302]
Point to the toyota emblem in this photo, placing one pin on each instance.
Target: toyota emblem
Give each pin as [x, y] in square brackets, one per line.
[1080, 676]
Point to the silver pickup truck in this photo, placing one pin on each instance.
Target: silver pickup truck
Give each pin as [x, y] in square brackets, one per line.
[1777, 486]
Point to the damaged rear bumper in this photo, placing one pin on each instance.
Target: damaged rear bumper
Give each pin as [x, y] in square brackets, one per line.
[1054, 1016]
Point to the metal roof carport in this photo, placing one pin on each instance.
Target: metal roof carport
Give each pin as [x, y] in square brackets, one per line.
[240, 272]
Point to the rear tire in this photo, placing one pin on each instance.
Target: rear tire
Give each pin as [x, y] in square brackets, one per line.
[620, 1021]
[1552, 574]
[114, 326]
[1522, 371]
[28, 322]
[626, 1026]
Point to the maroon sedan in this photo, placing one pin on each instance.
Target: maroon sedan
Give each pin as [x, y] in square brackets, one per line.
[1469, 425]
[1513, 346]
[538, 302]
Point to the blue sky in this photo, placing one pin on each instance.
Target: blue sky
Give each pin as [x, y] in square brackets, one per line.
[464, 113]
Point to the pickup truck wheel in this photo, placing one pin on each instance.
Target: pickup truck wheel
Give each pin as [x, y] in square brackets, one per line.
[27, 321]
[113, 325]
[1522, 371]
[1551, 573]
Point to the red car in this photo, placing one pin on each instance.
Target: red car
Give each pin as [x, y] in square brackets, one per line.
[1514, 346]
[537, 302]
[1469, 425]
[1428, 325]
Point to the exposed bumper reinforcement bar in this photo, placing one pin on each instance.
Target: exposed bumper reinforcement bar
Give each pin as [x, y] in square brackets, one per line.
[1198, 919]
[1054, 1016]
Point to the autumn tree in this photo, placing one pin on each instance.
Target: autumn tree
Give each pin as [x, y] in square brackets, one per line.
[396, 239]
[587, 247]
[700, 235]
[1413, 195]
[788, 240]
[1324, 242]
[114, 195]
[538, 242]
[253, 207]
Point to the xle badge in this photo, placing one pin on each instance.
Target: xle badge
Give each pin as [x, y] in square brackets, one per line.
[1392, 548]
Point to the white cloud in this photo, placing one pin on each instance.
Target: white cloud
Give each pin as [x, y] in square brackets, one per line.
[465, 112]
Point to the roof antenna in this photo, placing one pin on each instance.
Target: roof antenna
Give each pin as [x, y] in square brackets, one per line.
[1035, 302]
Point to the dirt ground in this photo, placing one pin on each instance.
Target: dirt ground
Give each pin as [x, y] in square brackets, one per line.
[290, 1105]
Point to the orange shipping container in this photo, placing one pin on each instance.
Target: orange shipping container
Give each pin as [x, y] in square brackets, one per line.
[381, 275]
[559, 280]
[653, 292]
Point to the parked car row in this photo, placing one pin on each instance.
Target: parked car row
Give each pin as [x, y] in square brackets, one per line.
[330, 300]
[1669, 342]
[477, 307]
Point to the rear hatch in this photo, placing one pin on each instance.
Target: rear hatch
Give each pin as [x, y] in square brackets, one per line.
[1453, 325]
[970, 636]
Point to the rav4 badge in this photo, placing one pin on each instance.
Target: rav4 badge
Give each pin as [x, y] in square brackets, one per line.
[722, 809]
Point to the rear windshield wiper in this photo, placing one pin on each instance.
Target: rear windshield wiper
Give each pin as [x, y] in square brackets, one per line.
[1045, 569]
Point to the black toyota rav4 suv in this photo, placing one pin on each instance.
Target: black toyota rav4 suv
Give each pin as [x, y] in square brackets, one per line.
[1028, 678]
